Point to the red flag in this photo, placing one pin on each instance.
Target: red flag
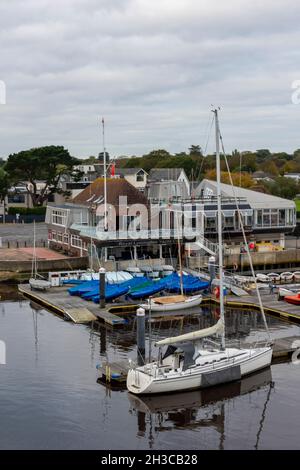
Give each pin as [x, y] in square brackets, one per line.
[112, 169]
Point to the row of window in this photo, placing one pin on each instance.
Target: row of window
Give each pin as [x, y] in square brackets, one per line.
[274, 217]
[64, 239]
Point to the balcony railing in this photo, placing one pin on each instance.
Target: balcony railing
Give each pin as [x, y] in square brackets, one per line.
[98, 233]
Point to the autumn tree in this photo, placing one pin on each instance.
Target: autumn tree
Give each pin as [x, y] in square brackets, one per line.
[244, 179]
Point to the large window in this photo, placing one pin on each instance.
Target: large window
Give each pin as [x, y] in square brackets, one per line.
[259, 218]
[281, 217]
[210, 222]
[274, 217]
[59, 217]
[140, 176]
[76, 241]
[266, 218]
[16, 199]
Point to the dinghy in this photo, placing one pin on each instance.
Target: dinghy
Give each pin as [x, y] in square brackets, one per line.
[167, 269]
[293, 299]
[296, 276]
[282, 293]
[274, 277]
[262, 277]
[36, 281]
[171, 303]
[134, 271]
[286, 277]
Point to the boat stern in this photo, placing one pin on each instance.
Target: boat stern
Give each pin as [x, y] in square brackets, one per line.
[138, 382]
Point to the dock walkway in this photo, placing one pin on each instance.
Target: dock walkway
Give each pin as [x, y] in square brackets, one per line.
[271, 305]
[60, 301]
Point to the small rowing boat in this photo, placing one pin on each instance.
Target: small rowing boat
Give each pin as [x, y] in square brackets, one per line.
[172, 302]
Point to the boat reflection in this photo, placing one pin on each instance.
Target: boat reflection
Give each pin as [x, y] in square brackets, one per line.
[185, 410]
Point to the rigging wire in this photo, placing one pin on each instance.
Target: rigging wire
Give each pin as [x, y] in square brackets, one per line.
[245, 240]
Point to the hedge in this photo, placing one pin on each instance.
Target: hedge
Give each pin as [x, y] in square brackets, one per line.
[27, 210]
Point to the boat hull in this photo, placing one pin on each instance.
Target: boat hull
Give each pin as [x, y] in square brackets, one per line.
[190, 302]
[39, 284]
[292, 299]
[140, 383]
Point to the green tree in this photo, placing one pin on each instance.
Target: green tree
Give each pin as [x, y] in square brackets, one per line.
[4, 184]
[46, 164]
[283, 187]
[263, 154]
[195, 150]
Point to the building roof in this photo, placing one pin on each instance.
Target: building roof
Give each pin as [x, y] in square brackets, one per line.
[254, 198]
[261, 174]
[94, 193]
[165, 190]
[128, 171]
[165, 174]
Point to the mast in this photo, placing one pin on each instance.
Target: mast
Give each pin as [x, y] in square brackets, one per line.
[104, 174]
[179, 255]
[220, 242]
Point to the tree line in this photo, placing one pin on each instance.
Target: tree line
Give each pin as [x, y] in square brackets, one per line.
[50, 163]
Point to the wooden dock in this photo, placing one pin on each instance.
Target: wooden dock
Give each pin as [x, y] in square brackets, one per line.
[61, 302]
[272, 306]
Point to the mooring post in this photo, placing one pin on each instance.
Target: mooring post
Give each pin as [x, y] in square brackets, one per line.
[102, 287]
[140, 336]
[212, 269]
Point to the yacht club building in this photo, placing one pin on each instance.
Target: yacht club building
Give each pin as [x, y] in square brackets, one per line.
[140, 227]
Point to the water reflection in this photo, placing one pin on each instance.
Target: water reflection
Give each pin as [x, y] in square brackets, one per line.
[197, 409]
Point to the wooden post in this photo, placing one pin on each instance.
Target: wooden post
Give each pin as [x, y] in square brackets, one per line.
[102, 287]
[140, 336]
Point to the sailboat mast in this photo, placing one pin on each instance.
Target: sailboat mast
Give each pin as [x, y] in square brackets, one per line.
[220, 242]
[105, 175]
[179, 255]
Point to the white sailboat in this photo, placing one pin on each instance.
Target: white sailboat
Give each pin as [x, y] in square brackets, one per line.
[188, 362]
[36, 281]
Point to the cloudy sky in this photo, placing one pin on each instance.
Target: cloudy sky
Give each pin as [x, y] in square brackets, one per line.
[152, 68]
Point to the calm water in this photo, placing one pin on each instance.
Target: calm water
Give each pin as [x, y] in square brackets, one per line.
[50, 398]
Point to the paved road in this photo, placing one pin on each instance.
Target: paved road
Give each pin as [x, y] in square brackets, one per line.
[22, 232]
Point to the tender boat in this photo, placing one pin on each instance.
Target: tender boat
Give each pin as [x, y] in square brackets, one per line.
[146, 270]
[134, 271]
[274, 277]
[172, 302]
[167, 269]
[293, 299]
[39, 284]
[282, 293]
[286, 277]
[262, 277]
[296, 276]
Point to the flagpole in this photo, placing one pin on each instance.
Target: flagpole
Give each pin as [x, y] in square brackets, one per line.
[104, 174]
